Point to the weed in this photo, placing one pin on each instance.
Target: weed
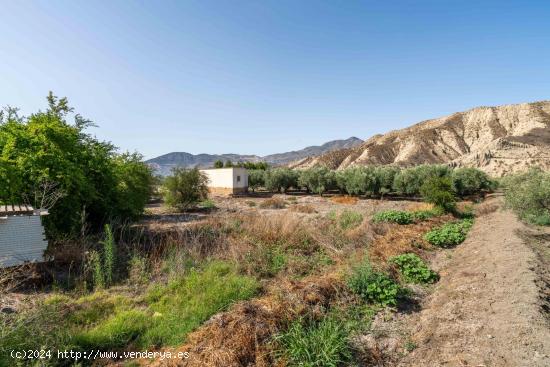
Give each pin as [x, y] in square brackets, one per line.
[207, 204]
[273, 203]
[410, 345]
[138, 270]
[449, 234]
[349, 219]
[315, 344]
[109, 255]
[393, 216]
[373, 286]
[414, 269]
[303, 208]
[98, 276]
[250, 203]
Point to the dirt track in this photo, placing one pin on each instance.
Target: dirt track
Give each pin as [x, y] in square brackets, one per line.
[486, 309]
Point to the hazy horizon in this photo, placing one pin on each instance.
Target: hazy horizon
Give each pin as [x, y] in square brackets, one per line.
[270, 77]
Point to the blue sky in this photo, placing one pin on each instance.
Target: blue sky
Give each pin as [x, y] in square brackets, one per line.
[260, 77]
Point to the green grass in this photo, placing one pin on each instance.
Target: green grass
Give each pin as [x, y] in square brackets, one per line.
[449, 234]
[309, 343]
[349, 219]
[104, 320]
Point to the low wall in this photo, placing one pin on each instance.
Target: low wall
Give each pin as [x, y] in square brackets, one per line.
[226, 191]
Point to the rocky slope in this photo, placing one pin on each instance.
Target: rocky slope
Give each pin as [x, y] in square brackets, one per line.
[166, 162]
[498, 140]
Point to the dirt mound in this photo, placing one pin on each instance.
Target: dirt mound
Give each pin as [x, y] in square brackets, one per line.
[498, 140]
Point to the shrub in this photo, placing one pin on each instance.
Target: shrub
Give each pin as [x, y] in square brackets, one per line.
[185, 188]
[414, 269]
[207, 204]
[256, 179]
[373, 286]
[315, 344]
[273, 203]
[349, 219]
[528, 195]
[316, 179]
[280, 179]
[469, 181]
[449, 234]
[393, 216]
[47, 151]
[439, 191]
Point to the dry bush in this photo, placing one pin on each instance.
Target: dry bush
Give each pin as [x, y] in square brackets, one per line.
[241, 336]
[273, 203]
[303, 208]
[487, 207]
[346, 199]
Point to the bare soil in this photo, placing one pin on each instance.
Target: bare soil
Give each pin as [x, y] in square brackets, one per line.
[489, 307]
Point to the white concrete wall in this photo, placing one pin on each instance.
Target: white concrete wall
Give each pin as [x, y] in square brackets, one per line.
[227, 177]
[22, 239]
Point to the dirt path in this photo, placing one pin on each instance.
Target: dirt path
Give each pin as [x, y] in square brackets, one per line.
[486, 309]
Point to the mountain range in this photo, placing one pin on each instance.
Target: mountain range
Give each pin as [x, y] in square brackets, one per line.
[164, 163]
[498, 140]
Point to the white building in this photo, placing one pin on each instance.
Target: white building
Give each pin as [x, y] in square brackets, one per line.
[227, 181]
[22, 237]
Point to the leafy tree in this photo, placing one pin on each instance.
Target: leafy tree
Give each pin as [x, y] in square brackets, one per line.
[255, 165]
[185, 188]
[281, 179]
[409, 181]
[439, 191]
[528, 194]
[228, 164]
[256, 178]
[218, 164]
[468, 181]
[97, 183]
[316, 179]
[358, 180]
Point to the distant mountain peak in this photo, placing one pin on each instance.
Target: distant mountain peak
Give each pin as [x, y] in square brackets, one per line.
[163, 164]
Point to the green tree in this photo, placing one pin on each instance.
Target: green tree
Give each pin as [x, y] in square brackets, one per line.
[228, 164]
[94, 179]
[469, 181]
[528, 195]
[316, 179]
[256, 179]
[185, 188]
[439, 191]
[218, 164]
[281, 179]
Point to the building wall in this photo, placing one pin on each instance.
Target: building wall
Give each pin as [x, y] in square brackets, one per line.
[235, 179]
[22, 239]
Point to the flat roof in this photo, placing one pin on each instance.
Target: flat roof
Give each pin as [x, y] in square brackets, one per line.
[16, 209]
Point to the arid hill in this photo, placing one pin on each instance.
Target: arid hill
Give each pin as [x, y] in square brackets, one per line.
[498, 140]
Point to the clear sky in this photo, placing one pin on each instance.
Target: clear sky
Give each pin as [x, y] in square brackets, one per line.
[260, 77]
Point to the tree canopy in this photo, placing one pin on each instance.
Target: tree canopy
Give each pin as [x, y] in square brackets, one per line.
[92, 181]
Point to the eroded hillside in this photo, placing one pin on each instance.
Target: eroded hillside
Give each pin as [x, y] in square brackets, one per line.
[498, 140]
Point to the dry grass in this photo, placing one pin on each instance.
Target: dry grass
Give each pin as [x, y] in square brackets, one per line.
[241, 336]
[273, 203]
[303, 208]
[393, 239]
[487, 207]
[346, 199]
[420, 207]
